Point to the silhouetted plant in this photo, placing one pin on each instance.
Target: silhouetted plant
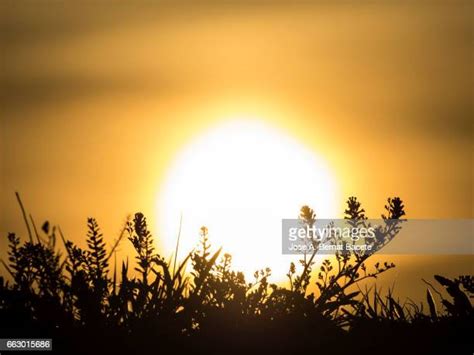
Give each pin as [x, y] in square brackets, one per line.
[142, 241]
[460, 305]
[336, 279]
[211, 302]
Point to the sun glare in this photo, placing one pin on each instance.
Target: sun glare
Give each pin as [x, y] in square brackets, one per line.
[240, 179]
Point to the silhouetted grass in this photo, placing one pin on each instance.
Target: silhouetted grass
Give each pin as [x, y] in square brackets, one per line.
[74, 298]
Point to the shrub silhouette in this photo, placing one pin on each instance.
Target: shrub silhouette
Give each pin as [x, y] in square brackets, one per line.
[86, 307]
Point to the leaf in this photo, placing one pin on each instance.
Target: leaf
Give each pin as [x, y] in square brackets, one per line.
[431, 304]
[443, 280]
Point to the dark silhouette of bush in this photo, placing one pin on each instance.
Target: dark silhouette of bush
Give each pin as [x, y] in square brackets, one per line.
[85, 307]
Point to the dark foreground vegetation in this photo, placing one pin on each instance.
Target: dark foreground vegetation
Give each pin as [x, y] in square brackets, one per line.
[200, 305]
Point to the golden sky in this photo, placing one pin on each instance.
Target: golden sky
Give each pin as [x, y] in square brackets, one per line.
[97, 99]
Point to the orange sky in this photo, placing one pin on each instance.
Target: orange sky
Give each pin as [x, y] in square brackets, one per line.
[96, 102]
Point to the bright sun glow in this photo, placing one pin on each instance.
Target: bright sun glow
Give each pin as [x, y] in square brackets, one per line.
[240, 180]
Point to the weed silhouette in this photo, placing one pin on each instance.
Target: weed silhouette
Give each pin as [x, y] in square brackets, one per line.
[74, 297]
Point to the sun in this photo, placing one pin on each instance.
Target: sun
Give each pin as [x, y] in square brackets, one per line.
[240, 179]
